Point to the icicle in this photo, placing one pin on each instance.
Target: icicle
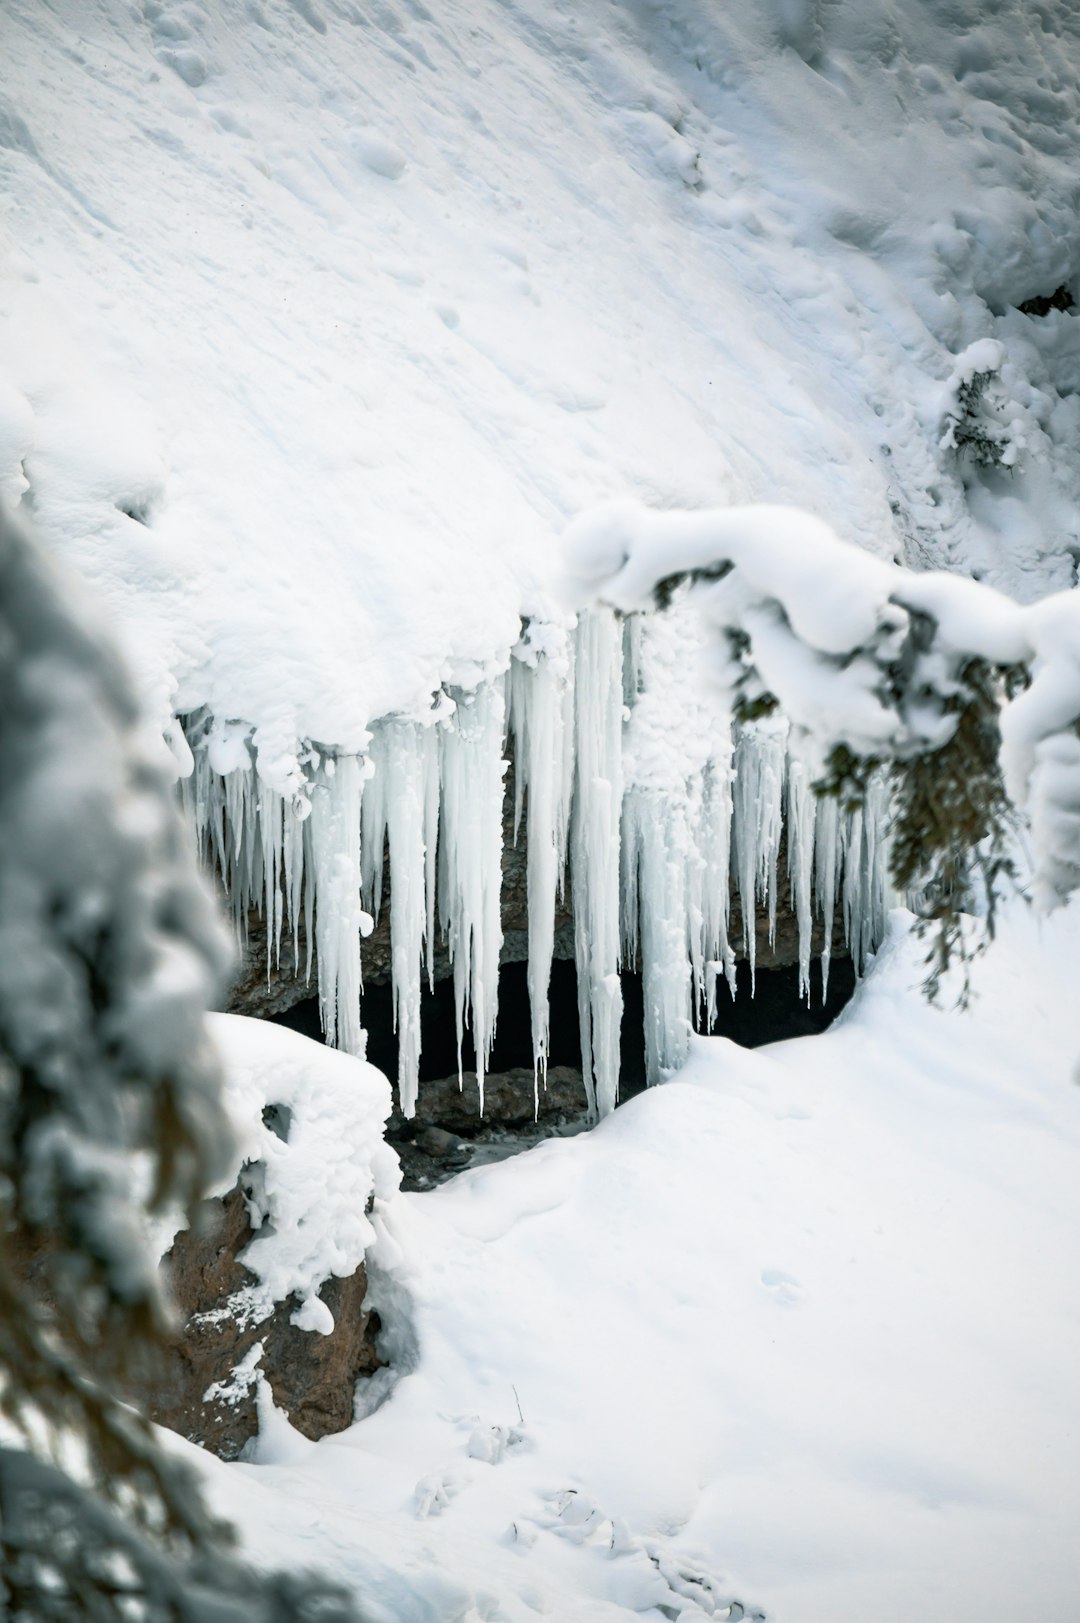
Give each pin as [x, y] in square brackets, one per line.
[339, 918]
[851, 843]
[594, 842]
[826, 856]
[758, 824]
[714, 844]
[407, 760]
[374, 822]
[470, 861]
[865, 882]
[295, 823]
[431, 847]
[656, 828]
[801, 805]
[877, 822]
[541, 697]
[270, 826]
[695, 872]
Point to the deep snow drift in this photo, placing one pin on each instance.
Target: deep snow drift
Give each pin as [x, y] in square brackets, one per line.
[798, 1329]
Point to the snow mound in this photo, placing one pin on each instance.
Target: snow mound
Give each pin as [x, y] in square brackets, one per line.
[308, 1123]
[797, 1330]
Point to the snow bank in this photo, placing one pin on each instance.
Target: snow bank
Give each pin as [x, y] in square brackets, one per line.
[797, 1329]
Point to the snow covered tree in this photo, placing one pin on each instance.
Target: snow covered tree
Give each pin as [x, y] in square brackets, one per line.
[109, 1112]
[966, 700]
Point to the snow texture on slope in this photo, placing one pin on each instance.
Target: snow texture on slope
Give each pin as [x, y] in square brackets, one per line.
[318, 321]
[798, 1329]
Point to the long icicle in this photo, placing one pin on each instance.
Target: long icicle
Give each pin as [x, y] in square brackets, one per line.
[594, 843]
[540, 714]
[470, 861]
[339, 918]
[407, 759]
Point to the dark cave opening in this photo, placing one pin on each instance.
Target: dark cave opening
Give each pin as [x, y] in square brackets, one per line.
[775, 1012]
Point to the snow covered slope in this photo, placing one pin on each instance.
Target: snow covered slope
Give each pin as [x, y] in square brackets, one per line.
[318, 319]
[799, 1329]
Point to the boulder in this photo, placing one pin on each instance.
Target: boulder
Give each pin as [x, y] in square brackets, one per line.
[197, 1391]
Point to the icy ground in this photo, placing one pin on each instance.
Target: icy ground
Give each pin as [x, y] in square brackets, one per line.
[800, 1329]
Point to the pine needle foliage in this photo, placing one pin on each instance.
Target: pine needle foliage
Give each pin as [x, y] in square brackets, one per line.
[109, 1111]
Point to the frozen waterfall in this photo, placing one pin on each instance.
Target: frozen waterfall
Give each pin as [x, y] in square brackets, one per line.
[633, 791]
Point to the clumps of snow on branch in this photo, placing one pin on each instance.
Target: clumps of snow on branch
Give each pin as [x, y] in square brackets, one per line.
[308, 1123]
[872, 663]
[109, 949]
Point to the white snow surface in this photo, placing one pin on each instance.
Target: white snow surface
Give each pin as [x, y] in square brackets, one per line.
[318, 320]
[799, 1328]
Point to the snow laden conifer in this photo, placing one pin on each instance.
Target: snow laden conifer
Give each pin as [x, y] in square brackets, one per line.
[109, 1110]
[964, 702]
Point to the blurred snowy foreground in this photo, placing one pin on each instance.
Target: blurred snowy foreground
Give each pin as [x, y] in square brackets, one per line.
[797, 1330]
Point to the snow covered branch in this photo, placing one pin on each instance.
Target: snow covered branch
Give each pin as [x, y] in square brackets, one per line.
[970, 699]
[110, 1110]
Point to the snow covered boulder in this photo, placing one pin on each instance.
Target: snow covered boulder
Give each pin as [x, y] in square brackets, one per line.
[270, 1284]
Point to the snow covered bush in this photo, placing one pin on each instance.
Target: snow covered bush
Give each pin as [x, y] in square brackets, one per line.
[109, 1109]
[979, 417]
[968, 701]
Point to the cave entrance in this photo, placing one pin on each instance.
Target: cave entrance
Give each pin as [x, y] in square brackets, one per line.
[448, 1132]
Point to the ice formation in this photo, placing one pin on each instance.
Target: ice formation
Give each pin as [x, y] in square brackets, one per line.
[635, 786]
[650, 837]
[354, 514]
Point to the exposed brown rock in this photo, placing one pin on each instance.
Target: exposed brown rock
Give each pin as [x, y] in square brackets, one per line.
[312, 1377]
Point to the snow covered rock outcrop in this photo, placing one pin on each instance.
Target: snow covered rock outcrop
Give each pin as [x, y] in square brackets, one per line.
[270, 1283]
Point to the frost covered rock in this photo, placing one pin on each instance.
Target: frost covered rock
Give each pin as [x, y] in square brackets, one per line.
[269, 1283]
